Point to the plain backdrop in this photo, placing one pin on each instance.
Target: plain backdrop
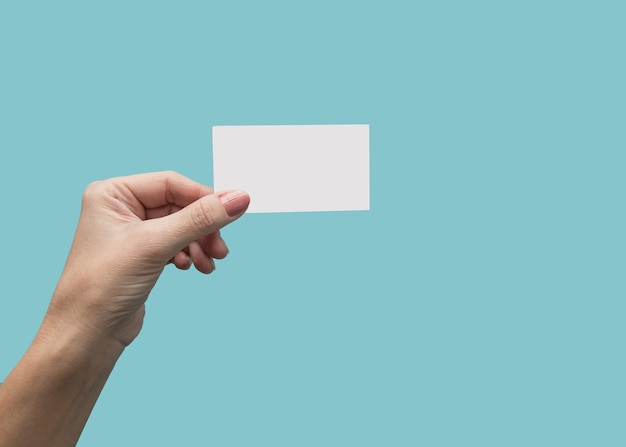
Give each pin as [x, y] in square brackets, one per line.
[479, 303]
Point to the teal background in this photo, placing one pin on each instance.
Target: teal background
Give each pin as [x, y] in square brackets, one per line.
[479, 303]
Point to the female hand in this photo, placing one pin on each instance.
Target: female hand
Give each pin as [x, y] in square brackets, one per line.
[129, 229]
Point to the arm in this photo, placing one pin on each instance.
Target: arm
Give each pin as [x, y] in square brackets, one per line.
[129, 229]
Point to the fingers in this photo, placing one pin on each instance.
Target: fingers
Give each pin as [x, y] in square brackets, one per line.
[196, 222]
[201, 253]
[161, 189]
[201, 260]
[205, 250]
[213, 245]
[161, 211]
[178, 214]
[182, 260]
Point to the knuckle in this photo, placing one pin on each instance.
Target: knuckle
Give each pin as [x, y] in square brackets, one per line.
[204, 215]
[92, 191]
[172, 175]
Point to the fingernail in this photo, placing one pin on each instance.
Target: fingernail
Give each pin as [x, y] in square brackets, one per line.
[234, 202]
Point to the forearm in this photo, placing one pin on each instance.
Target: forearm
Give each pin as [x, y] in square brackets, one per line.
[47, 398]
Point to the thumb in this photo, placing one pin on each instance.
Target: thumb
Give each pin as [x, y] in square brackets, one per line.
[204, 216]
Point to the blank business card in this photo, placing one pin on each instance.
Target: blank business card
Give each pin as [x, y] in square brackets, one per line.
[294, 168]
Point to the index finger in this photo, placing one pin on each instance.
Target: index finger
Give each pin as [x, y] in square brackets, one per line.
[157, 189]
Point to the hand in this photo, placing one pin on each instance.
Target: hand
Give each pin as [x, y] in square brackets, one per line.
[129, 229]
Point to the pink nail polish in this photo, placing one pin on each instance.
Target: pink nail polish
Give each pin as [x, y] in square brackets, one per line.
[235, 202]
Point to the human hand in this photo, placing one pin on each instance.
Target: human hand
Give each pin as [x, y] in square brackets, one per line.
[129, 229]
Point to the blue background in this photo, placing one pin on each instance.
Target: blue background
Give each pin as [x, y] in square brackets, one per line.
[481, 300]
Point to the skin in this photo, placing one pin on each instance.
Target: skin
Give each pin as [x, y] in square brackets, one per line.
[129, 229]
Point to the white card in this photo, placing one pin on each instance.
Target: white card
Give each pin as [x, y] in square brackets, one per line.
[296, 167]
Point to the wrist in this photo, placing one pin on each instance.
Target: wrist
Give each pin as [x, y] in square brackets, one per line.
[94, 311]
[72, 351]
